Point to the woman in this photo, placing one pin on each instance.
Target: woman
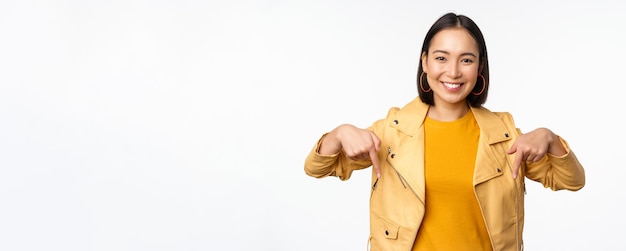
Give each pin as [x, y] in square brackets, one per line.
[448, 174]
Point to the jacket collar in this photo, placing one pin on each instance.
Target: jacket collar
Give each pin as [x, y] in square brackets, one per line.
[411, 118]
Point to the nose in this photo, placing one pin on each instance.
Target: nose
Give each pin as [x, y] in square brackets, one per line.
[454, 70]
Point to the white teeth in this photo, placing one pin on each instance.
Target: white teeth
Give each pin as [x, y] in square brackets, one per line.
[452, 85]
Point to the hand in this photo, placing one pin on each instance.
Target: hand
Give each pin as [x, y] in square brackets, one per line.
[533, 146]
[358, 144]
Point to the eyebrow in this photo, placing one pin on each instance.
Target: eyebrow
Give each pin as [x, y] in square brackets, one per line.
[462, 54]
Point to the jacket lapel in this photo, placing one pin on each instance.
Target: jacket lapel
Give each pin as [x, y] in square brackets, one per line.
[492, 132]
[410, 161]
[410, 157]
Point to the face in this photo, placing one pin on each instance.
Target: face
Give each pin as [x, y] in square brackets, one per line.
[451, 66]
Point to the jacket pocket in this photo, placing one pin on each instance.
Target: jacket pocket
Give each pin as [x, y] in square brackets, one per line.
[387, 228]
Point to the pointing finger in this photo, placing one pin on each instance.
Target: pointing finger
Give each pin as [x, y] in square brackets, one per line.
[375, 163]
[516, 164]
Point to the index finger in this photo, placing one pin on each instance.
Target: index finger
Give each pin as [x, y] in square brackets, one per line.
[519, 156]
[374, 158]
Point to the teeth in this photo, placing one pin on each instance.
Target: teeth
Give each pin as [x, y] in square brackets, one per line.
[449, 85]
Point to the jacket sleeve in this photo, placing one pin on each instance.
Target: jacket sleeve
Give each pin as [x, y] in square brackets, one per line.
[558, 172]
[339, 165]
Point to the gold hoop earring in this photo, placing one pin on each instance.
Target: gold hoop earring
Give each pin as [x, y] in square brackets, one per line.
[484, 85]
[422, 86]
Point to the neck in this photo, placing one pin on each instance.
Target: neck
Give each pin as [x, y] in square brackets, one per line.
[449, 112]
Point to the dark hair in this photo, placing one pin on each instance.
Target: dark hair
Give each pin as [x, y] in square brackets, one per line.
[450, 20]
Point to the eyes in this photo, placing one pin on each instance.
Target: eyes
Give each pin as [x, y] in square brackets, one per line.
[463, 60]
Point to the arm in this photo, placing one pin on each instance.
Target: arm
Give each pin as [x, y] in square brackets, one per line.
[342, 150]
[558, 171]
[549, 160]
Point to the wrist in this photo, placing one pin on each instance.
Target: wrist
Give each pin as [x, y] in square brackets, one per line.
[555, 147]
[330, 143]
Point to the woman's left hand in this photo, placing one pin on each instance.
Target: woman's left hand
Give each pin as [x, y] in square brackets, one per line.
[533, 146]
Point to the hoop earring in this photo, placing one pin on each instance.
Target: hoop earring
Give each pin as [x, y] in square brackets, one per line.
[422, 86]
[484, 85]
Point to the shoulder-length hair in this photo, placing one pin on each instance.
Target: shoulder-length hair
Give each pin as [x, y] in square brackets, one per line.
[450, 20]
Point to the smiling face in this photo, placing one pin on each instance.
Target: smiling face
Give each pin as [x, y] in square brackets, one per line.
[451, 66]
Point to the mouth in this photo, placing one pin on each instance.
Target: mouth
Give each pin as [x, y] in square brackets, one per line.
[451, 86]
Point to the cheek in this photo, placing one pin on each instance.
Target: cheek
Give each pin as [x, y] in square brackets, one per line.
[471, 72]
[435, 69]
[472, 76]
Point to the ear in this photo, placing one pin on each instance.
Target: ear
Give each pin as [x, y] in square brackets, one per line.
[425, 62]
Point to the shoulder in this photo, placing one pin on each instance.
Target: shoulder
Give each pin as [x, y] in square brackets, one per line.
[495, 123]
[406, 119]
[503, 116]
[414, 108]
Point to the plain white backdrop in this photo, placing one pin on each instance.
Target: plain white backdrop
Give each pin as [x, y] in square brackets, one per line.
[184, 125]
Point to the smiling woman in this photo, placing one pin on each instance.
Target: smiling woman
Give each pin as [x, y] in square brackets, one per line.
[463, 164]
[452, 64]
[183, 125]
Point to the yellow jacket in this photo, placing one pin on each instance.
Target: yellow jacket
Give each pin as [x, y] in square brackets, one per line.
[397, 198]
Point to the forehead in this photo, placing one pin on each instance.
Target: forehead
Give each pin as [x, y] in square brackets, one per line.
[453, 40]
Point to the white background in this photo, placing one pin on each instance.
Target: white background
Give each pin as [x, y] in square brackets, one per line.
[184, 125]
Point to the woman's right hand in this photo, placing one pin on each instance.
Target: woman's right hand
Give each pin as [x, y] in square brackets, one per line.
[357, 143]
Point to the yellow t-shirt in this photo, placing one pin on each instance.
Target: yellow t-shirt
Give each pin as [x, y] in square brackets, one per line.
[453, 218]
